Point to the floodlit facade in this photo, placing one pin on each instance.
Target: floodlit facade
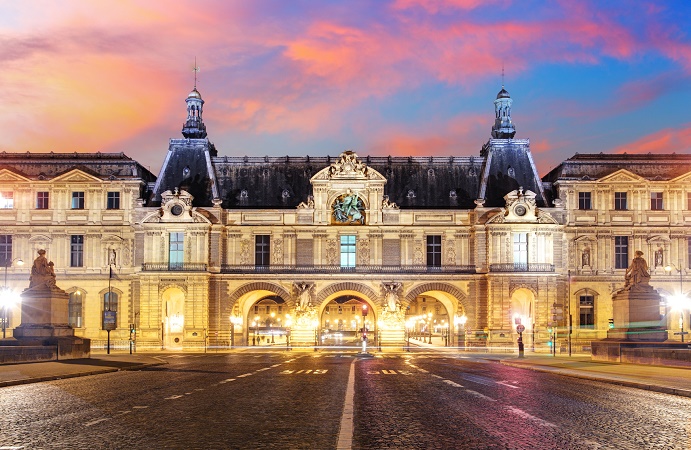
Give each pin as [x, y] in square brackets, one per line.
[459, 251]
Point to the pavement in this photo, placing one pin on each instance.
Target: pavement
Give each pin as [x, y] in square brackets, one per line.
[669, 380]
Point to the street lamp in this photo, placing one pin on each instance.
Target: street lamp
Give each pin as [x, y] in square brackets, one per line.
[679, 301]
[271, 324]
[460, 322]
[6, 295]
[429, 326]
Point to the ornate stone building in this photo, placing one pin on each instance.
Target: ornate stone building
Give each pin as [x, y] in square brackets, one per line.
[223, 251]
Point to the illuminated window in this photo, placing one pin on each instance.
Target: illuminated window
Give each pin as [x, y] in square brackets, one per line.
[348, 251]
[5, 250]
[176, 249]
[520, 248]
[6, 200]
[74, 308]
[586, 311]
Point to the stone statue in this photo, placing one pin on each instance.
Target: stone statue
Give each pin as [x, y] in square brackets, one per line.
[585, 257]
[112, 257]
[391, 295]
[659, 258]
[304, 295]
[42, 272]
[637, 273]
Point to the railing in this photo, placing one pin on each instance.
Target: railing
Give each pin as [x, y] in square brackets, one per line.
[174, 267]
[521, 267]
[363, 269]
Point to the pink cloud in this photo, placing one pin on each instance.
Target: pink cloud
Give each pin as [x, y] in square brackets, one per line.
[434, 6]
[668, 140]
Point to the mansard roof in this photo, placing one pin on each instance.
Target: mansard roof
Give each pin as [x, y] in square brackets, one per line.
[47, 166]
[653, 167]
[284, 182]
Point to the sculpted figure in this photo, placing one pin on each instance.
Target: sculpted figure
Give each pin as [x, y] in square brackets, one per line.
[637, 273]
[304, 299]
[42, 271]
[585, 257]
[391, 296]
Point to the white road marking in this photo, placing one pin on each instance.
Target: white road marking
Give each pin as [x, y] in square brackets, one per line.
[94, 422]
[173, 397]
[121, 413]
[265, 368]
[275, 365]
[139, 407]
[477, 394]
[452, 383]
[525, 415]
[506, 383]
[345, 435]
[244, 375]
[226, 380]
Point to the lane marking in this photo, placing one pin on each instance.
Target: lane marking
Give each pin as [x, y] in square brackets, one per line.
[139, 407]
[437, 376]
[265, 368]
[275, 365]
[525, 415]
[173, 397]
[345, 435]
[477, 394]
[452, 383]
[244, 375]
[94, 422]
[122, 413]
[506, 383]
[226, 380]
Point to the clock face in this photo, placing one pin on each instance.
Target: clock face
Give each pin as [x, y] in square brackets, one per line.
[520, 210]
[176, 210]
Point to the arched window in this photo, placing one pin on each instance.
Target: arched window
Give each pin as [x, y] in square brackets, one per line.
[110, 301]
[74, 307]
[586, 308]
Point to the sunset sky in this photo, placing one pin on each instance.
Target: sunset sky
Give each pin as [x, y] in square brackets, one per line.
[394, 77]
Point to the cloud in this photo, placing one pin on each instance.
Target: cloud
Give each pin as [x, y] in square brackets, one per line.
[668, 140]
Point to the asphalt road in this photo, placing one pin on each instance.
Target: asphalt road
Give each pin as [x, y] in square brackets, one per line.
[293, 401]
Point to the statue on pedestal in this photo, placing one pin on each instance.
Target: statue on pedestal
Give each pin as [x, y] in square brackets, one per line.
[637, 274]
[42, 272]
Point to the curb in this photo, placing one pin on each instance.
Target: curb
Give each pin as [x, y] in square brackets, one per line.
[602, 379]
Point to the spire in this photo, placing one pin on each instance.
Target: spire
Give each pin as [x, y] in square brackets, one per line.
[503, 126]
[194, 127]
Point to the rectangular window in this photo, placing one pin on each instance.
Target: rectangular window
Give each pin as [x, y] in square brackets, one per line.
[656, 201]
[42, 200]
[113, 200]
[621, 252]
[688, 255]
[110, 301]
[584, 200]
[262, 247]
[688, 201]
[433, 251]
[74, 308]
[176, 249]
[520, 248]
[620, 201]
[5, 250]
[77, 251]
[77, 200]
[586, 311]
[347, 251]
[6, 200]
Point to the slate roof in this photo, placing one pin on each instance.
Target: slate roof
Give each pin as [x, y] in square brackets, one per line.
[592, 166]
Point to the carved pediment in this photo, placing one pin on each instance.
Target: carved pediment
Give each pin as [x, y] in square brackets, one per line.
[76, 176]
[350, 167]
[176, 206]
[9, 176]
[685, 178]
[621, 176]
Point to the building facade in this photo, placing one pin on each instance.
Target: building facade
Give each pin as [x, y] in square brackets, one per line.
[459, 251]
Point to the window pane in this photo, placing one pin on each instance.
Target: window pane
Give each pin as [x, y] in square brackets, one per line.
[110, 301]
[434, 251]
[5, 249]
[75, 309]
[77, 200]
[113, 200]
[586, 311]
[656, 201]
[347, 251]
[6, 200]
[176, 250]
[77, 251]
[262, 247]
[621, 252]
[620, 201]
[584, 200]
[520, 248]
[42, 200]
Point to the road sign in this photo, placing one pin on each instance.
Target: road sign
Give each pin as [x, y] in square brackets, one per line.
[520, 328]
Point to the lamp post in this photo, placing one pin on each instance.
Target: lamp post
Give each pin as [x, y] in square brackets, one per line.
[429, 327]
[234, 320]
[679, 301]
[271, 324]
[460, 322]
[6, 295]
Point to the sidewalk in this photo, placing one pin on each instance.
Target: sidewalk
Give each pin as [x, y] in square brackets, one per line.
[33, 372]
[669, 380]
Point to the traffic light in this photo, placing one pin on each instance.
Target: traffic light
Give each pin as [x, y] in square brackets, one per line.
[611, 324]
[133, 331]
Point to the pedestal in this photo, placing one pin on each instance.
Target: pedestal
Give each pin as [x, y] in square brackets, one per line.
[636, 314]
